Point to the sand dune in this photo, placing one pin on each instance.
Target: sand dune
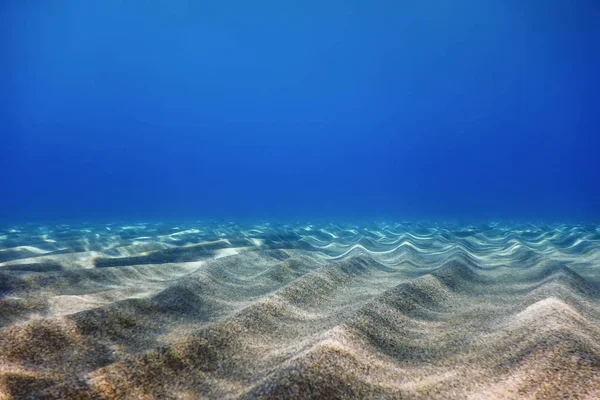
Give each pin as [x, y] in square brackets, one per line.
[399, 311]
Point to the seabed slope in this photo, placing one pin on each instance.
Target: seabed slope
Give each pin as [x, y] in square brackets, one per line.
[399, 311]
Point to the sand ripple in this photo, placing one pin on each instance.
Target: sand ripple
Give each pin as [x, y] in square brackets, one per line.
[399, 311]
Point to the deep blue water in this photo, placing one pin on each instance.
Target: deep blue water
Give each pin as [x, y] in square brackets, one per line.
[324, 109]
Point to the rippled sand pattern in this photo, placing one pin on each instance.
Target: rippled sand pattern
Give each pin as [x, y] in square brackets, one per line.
[399, 311]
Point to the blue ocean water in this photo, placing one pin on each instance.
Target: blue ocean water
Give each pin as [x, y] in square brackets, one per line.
[163, 110]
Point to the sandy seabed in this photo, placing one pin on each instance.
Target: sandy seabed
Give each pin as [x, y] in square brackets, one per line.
[216, 310]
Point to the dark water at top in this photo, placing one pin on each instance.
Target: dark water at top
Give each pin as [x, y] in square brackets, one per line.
[268, 109]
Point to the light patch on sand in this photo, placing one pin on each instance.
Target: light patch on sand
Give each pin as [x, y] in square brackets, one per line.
[380, 234]
[47, 239]
[325, 231]
[257, 242]
[549, 313]
[577, 241]
[69, 304]
[31, 249]
[65, 305]
[192, 264]
[551, 305]
[220, 253]
[186, 232]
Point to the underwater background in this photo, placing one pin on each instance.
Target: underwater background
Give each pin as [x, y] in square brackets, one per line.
[299, 200]
[170, 110]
